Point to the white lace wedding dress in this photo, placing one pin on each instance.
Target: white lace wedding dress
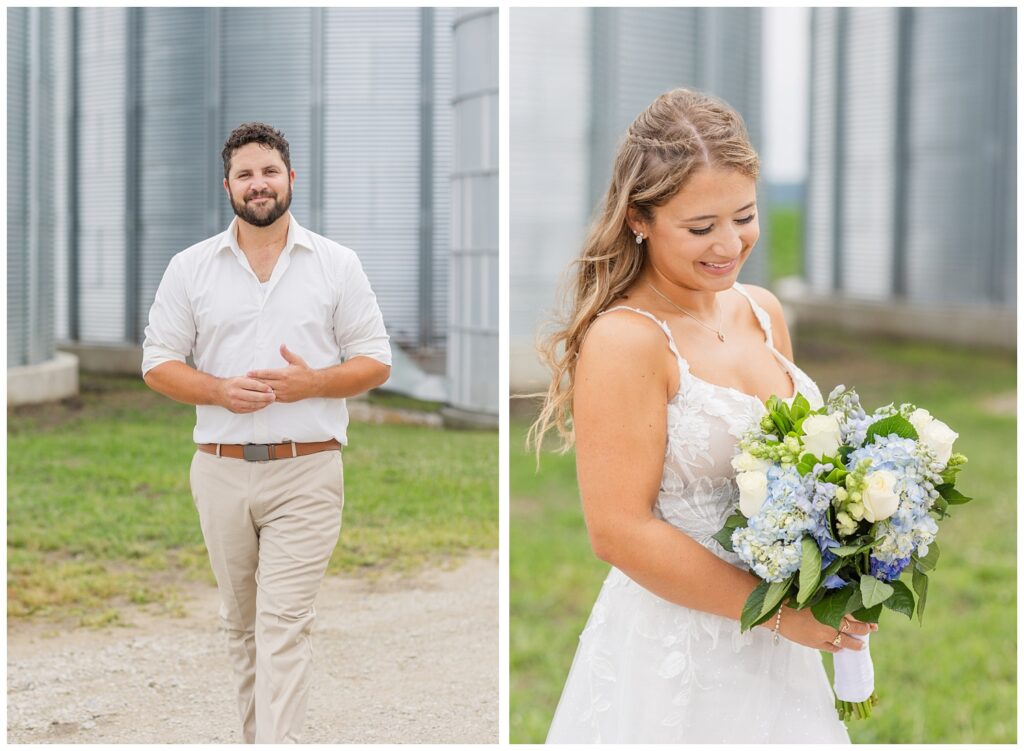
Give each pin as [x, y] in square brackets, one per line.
[650, 671]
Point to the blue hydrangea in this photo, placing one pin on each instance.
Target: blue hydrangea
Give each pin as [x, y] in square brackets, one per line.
[911, 528]
[853, 420]
[887, 571]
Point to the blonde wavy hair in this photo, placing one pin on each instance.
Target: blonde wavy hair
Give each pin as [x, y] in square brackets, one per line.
[681, 132]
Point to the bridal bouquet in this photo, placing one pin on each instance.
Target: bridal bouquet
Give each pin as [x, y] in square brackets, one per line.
[835, 505]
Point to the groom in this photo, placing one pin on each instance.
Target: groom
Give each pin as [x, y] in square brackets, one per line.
[268, 310]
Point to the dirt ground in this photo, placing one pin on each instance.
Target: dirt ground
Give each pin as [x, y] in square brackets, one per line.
[397, 660]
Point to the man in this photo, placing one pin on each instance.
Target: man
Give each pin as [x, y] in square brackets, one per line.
[268, 310]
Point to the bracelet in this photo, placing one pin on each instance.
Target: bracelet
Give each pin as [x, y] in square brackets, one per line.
[778, 622]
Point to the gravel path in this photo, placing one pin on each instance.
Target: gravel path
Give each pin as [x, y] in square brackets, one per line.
[396, 661]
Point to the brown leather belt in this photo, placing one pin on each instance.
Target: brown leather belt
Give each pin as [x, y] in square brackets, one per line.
[261, 452]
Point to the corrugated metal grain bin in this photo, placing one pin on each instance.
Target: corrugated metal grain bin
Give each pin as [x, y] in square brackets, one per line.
[159, 89]
[911, 191]
[473, 328]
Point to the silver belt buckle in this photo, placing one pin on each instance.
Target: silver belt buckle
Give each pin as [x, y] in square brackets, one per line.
[256, 452]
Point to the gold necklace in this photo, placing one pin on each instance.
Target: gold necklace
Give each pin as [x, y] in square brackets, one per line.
[721, 336]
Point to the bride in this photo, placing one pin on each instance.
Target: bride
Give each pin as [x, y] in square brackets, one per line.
[664, 361]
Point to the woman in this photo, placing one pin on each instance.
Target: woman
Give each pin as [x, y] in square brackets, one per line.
[663, 363]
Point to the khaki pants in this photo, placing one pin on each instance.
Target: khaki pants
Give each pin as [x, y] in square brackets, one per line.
[270, 528]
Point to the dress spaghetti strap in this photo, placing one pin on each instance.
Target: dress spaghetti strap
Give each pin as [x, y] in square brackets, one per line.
[759, 313]
[661, 324]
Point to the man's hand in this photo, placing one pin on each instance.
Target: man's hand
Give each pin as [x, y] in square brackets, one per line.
[290, 384]
[243, 395]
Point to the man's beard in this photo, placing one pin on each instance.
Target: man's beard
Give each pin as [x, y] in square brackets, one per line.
[255, 217]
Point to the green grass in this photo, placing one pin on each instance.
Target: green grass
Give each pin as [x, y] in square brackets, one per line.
[951, 681]
[784, 257]
[400, 401]
[99, 511]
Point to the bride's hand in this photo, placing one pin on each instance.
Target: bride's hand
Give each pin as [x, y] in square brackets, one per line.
[802, 627]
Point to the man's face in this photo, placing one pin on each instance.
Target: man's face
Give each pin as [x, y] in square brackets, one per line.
[259, 185]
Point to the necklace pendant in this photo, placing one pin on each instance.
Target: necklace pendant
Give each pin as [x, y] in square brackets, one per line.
[721, 336]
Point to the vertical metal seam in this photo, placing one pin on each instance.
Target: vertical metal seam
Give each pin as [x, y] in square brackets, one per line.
[839, 150]
[74, 244]
[29, 269]
[133, 28]
[805, 268]
[316, 156]
[215, 172]
[901, 161]
[600, 84]
[426, 178]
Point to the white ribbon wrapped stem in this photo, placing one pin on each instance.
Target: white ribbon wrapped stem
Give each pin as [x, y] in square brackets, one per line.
[854, 674]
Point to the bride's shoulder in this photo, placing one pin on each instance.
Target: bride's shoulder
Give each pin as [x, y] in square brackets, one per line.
[624, 331]
[624, 340]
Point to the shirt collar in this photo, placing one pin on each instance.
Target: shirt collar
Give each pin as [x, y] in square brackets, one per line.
[298, 236]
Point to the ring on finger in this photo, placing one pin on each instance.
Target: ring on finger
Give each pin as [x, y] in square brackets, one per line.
[839, 638]
[844, 626]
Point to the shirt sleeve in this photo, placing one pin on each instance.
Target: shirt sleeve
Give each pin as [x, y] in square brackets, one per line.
[358, 323]
[171, 333]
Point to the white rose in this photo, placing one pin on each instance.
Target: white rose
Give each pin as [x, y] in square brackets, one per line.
[879, 496]
[753, 491]
[747, 462]
[821, 435]
[920, 419]
[939, 438]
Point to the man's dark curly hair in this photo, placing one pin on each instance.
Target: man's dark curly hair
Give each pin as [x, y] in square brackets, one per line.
[260, 133]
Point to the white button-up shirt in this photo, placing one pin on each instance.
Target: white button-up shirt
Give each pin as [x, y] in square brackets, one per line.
[318, 303]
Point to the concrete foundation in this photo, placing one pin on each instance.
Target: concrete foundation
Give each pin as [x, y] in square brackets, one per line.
[966, 326]
[44, 382]
[464, 419]
[117, 359]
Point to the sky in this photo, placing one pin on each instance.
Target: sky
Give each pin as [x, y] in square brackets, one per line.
[786, 52]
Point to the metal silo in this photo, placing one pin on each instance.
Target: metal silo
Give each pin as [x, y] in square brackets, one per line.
[473, 329]
[549, 167]
[171, 149]
[30, 185]
[911, 186]
[102, 174]
[371, 157]
[36, 372]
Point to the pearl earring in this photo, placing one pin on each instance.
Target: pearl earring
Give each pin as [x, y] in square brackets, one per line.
[639, 238]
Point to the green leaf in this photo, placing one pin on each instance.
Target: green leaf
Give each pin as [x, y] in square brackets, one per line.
[940, 505]
[949, 474]
[837, 476]
[929, 562]
[724, 535]
[858, 545]
[832, 568]
[921, 587]
[902, 600]
[873, 591]
[781, 422]
[895, 425]
[832, 607]
[844, 453]
[752, 608]
[776, 591]
[952, 495]
[810, 569]
[801, 407]
[868, 615]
